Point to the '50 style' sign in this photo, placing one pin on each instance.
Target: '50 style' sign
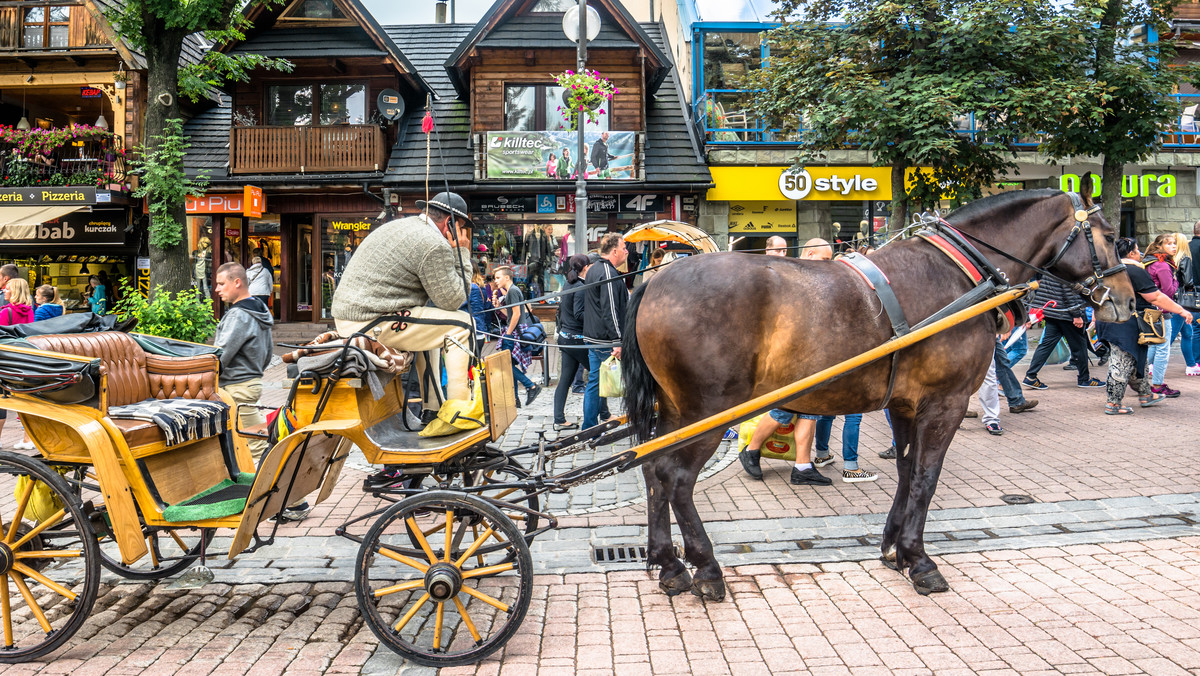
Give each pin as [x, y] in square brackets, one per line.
[799, 184]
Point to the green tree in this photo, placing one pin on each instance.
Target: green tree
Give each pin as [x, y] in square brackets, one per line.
[158, 28]
[899, 76]
[1133, 87]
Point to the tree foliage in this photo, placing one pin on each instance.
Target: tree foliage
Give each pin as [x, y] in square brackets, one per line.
[164, 184]
[899, 76]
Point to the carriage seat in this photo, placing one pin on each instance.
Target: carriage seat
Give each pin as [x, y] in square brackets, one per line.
[133, 375]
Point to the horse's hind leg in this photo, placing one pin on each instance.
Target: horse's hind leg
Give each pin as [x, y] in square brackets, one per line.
[680, 484]
[674, 577]
[902, 428]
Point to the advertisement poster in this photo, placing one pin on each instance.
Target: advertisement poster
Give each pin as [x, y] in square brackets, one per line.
[550, 155]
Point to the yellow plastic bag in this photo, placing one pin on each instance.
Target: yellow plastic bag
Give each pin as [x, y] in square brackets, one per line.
[43, 502]
[779, 445]
[458, 415]
[611, 384]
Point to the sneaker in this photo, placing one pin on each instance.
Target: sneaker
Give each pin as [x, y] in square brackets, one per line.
[569, 425]
[298, 513]
[577, 389]
[532, 393]
[1032, 381]
[809, 476]
[730, 434]
[994, 429]
[822, 460]
[1192, 370]
[1029, 404]
[889, 454]
[750, 460]
[1094, 382]
[24, 446]
[853, 476]
[1070, 367]
[1166, 390]
[384, 477]
[1104, 361]
[971, 414]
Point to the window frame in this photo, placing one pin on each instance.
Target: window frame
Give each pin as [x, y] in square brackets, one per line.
[315, 107]
[46, 24]
[540, 116]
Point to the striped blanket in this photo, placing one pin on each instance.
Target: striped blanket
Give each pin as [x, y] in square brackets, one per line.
[180, 420]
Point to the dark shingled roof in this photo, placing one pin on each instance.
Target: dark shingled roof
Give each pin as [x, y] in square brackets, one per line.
[208, 133]
[544, 31]
[672, 151]
[326, 42]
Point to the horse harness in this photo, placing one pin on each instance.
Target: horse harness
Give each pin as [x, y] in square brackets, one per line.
[987, 279]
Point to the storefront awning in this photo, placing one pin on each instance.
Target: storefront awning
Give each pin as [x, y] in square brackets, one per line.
[22, 222]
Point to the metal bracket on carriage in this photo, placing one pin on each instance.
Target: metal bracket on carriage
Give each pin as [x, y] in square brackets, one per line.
[591, 472]
[590, 444]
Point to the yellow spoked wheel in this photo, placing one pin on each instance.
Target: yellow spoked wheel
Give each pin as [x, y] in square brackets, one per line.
[455, 596]
[48, 558]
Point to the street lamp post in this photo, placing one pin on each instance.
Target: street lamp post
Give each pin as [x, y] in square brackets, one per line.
[588, 27]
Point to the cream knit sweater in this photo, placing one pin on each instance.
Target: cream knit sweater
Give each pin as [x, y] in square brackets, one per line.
[403, 264]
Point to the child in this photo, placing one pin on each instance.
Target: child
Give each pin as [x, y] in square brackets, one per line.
[49, 305]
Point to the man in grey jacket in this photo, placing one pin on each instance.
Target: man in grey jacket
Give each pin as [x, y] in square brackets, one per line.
[399, 269]
[244, 335]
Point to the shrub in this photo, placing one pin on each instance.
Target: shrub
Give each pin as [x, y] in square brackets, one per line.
[181, 316]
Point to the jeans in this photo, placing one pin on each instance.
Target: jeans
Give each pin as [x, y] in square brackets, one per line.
[573, 361]
[591, 392]
[1076, 341]
[518, 375]
[1160, 354]
[850, 426]
[1008, 380]
[1018, 350]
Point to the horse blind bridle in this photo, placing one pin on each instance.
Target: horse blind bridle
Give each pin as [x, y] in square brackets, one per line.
[1093, 284]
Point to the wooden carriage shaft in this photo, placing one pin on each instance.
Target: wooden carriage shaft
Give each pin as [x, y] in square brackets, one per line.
[767, 401]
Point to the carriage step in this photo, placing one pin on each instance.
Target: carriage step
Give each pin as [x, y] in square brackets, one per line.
[224, 499]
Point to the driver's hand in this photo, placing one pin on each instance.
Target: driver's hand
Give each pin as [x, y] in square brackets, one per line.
[464, 237]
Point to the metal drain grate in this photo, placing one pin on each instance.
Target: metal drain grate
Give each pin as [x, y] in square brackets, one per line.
[1017, 499]
[626, 554]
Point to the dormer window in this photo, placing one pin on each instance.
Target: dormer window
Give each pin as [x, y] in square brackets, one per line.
[536, 108]
[46, 27]
[553, 6]
[314, 9]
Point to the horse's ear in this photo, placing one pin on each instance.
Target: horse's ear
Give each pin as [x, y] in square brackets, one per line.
[1085, 188]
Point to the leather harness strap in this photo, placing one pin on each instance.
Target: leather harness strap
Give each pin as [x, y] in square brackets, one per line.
[878, 281]
[979, 269]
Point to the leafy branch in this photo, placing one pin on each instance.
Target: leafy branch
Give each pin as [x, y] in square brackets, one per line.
[164, 184]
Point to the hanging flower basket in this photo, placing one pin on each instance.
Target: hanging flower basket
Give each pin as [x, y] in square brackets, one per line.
[584, 93]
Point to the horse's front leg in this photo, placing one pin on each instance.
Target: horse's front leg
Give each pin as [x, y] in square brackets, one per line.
[673, 577]
[689, 460]
[902, 437]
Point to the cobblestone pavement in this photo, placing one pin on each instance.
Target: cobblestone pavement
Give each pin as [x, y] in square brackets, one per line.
[1100, 574]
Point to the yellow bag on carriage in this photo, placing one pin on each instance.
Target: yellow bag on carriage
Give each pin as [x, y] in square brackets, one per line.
[779, 445]
[458, 415]
[43, 502]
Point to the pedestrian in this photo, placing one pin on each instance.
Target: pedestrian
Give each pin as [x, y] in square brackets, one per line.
[1017, 403]
[49, 305]
[244, 336]
[1159, 262]
[776, 246]
[603, 318]
[851, 472]
[1127, 359]
[8, 272]
[18, 310]
[1064, 319]
[803, 472]
[989, 401]
[97, 298]
[656, 259]
[262, 286]
[478, 304]
[518, 318]
[572, 353]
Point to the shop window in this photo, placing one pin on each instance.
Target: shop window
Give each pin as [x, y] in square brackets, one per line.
[328, 104]
[536, 108]
[200, 243]
[46, 27]
[340, 238]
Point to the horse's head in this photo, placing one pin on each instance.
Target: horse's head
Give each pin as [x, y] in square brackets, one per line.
[1088, 258]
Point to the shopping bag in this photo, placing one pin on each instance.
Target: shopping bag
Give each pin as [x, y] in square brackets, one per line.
[458, 415]
[779, 445]
[611, 384]
[43, 502]
[1061, 353]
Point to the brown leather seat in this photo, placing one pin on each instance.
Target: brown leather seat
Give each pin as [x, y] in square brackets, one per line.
[132, 375]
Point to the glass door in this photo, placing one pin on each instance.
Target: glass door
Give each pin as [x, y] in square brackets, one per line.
[302, 274]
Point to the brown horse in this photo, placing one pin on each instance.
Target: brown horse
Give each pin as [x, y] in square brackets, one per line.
[713, 331]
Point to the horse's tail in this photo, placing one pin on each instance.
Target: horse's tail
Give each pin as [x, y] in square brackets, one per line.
[640, 388]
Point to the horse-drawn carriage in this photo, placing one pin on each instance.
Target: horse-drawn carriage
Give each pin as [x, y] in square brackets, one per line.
[443, 574]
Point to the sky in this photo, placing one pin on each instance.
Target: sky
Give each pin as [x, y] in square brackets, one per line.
[421, 11]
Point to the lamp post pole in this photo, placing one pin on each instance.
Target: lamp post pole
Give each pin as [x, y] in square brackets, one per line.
[581, 238]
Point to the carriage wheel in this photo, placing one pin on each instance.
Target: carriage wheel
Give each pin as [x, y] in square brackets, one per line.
[171, 550]
[56, 556]
[510, 472]
[457, 596]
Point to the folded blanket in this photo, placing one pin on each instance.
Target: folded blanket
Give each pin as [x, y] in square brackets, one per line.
[376, 363]
[180, 419]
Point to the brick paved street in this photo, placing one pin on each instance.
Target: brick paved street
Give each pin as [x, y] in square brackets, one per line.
[1101, 574]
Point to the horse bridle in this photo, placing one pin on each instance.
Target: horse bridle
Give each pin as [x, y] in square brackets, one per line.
[1094, 284]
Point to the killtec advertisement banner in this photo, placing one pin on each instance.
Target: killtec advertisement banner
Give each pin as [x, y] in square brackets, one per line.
[551, 155]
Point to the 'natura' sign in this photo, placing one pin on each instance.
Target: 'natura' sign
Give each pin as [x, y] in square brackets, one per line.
[1145, 185]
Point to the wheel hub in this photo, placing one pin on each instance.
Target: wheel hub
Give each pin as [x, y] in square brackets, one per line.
[443, 581]
[6, 559]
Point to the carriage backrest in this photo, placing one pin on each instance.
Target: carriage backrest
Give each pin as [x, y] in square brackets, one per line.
[121, 358]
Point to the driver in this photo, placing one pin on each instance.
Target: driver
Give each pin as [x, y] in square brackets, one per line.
[417, 266]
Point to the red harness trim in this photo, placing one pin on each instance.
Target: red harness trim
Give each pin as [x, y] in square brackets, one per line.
[957, 256]
[860, 272]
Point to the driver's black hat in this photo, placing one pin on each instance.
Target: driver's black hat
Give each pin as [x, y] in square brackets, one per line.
[449, 202]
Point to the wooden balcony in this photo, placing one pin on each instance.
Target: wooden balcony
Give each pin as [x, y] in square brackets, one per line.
[1188, 11]
[306, 150]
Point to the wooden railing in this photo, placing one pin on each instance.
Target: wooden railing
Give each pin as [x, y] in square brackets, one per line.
[306, 150]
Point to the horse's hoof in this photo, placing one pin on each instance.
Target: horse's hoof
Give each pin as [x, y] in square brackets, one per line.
[677, 584]
[709, 590]
[929, 582]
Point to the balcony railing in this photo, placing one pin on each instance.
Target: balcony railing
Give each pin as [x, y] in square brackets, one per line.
[33, 157]
[724, 118]
[306, 150]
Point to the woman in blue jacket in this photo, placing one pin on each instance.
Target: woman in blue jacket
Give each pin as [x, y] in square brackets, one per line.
[49, 305]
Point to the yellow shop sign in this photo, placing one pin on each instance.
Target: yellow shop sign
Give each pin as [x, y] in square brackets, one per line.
[770, 184]
[762, 217]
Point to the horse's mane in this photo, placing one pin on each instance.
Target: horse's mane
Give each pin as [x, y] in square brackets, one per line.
[988, 206]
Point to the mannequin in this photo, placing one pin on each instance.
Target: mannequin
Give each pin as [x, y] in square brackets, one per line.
[202, 267]
[537, 247]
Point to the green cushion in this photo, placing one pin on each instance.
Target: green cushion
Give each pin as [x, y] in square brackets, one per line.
[225, 499]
